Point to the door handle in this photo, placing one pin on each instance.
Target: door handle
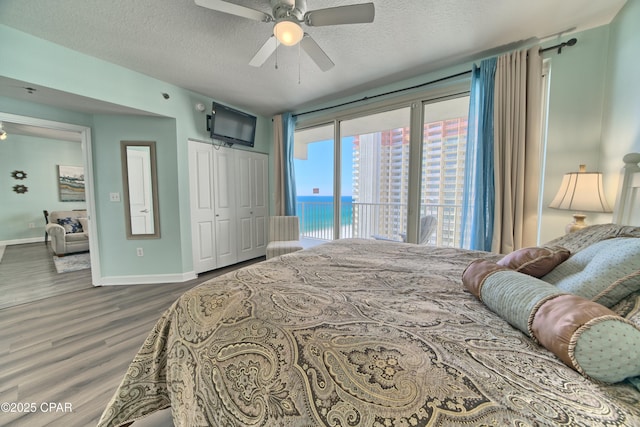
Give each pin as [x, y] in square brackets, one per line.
[145, 210]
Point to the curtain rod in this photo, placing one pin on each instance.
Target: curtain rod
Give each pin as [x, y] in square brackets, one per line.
[570, 42]
[366, 98]
[559, 46]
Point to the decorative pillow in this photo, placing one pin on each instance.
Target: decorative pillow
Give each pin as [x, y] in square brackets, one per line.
[588, 337]
[84, 224]
[585, 335]
[71, 225]
[475, 274]
[510, 294]
[605, 272]
[535, 261]
[586, 237]
[515, 297]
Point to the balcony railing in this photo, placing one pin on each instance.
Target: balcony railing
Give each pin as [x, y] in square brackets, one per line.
[364, 220]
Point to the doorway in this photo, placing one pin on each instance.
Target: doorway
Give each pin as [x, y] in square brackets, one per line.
[82, 134]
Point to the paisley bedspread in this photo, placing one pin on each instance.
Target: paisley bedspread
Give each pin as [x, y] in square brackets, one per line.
[355, 333]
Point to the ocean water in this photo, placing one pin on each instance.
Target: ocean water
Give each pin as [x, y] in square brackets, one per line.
[316, 212]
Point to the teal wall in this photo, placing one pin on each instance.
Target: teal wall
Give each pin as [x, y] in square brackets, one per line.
[621, 123]
[39, 158]
[574, 128]
[594, 111]
[42, 63]
[118, 254]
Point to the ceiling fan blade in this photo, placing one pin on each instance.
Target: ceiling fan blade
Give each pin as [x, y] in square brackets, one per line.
[352, 14]
[265, 52]
[316, 53]
[235, 9]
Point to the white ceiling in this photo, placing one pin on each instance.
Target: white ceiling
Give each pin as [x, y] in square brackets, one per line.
[40, 132]
[208, 52]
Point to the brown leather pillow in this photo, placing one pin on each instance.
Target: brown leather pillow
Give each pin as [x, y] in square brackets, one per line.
[588, 337]
[535, 261]
[476, 273]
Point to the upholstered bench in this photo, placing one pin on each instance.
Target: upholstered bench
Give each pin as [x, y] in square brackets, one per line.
[284, 236]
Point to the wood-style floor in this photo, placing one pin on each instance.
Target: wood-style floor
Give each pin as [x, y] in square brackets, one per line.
[27, 274]
[71, 349]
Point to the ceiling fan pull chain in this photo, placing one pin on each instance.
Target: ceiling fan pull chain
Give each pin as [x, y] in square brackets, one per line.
[277, 44]
[299, 61]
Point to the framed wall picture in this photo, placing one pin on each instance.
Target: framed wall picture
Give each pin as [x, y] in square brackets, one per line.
[71, 183]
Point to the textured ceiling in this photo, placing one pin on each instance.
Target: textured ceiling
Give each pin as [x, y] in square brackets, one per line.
[208, 52]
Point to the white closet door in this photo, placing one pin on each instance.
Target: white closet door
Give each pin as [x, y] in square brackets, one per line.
[251, 190]
[229, 205]
[225, 212]
[202, 206]
[260, 200]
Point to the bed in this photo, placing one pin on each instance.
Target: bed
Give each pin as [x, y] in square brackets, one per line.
[375, 333]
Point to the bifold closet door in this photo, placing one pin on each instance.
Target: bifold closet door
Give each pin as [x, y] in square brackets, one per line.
[224, 201]
[252, 203]
[229, 191]
[202, 207]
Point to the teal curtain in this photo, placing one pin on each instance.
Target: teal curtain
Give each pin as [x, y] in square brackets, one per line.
[288, 129]
[479, 192]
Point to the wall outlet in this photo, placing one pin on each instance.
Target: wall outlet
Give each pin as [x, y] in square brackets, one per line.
[32, 225]
[114, 197]
[139, 252]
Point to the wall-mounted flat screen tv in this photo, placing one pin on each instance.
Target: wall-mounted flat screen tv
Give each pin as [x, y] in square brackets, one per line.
[231, 126]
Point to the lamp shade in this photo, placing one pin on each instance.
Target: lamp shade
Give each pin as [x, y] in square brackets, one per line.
[581, 191]
[288, 32]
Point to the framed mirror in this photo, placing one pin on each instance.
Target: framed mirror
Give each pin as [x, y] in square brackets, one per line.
[140, 183]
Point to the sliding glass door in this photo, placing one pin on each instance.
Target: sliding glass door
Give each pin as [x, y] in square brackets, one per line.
[443, 160]
[375, 174]
[313, 163]
[395, 173]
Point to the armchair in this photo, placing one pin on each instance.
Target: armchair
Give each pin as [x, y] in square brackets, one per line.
[69, 232]
[284, 235]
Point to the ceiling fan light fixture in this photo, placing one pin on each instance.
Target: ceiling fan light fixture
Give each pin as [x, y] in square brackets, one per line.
[288, 32]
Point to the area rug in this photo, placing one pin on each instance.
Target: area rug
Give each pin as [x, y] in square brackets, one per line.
[72, 262]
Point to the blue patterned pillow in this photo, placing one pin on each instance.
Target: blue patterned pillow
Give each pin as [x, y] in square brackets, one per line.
[604, 272]
[71, 225]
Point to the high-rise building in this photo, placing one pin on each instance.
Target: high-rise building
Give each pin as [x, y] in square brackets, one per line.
[381, 176]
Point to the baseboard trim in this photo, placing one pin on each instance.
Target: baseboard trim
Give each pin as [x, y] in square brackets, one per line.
[147, 279]
[21, 241]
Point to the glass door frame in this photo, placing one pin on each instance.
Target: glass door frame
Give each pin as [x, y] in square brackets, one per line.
[414, 100]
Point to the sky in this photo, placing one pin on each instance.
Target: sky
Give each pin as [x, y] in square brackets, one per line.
[317, 171]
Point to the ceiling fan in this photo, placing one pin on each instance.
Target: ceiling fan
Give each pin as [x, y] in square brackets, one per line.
[287, 15]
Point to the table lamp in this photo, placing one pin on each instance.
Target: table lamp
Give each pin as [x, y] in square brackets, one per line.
[580, 192]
